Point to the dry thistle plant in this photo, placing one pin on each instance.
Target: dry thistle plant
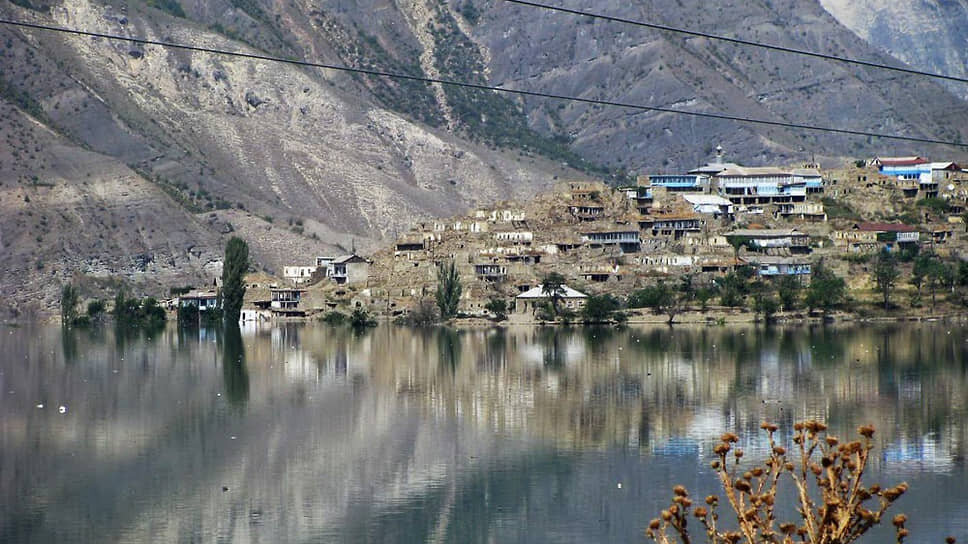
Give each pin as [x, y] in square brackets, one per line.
[845, 509]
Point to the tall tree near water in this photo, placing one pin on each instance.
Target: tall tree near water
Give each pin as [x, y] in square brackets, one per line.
[553, 287]
[233, 278]
[448, 290]
[885, 275]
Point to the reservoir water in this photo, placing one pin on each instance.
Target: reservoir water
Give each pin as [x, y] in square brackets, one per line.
[306, 433]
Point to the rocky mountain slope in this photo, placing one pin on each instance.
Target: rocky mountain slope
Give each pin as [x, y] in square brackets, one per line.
[929, 34]
[306, 161]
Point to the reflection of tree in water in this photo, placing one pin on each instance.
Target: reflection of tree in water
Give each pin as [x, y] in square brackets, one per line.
[495, 353]
[234, 371]
[597, 338]
[69, 344]
[448, 348]
[126, 332]
[552, 340]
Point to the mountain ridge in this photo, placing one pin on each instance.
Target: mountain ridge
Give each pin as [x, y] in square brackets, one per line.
[311, 161]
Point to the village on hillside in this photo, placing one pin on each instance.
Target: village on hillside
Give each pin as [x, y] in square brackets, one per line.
[702, 225]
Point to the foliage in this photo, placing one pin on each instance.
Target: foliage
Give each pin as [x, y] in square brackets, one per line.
[738, 242]
[826, 290]
[844, 511]
[788, 289]
[546, 313]
[732, 289]
[448, 290]
[470, 12]
[936, 205]
[553, 287]
[172, 7]
[498, 308]
[704, 295]
[424, 314]
[836, 209]
[661, 298]
[95, 310]
[361, 319]
[600, 308]
[334, 318]
[233, 278]
[179, 291]
[134, 312]
[765, 304]
[68, 303]
[885, 274]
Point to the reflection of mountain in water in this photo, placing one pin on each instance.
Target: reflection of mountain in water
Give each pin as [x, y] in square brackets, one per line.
[397, 435]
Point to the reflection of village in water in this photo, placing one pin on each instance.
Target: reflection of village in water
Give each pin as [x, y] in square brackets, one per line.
[663, 391]
[305, 432]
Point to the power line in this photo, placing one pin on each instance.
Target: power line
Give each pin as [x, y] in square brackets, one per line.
[481, 87]
[739, 41]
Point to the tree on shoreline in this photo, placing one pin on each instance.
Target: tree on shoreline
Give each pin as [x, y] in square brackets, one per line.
[885, 275]
[826, 291]
[448, 290]
[68, 302]
[233, 278]
[553, 287]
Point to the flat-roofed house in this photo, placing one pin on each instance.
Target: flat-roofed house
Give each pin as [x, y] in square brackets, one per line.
[767, 266]
[767, 239]
[714, 205]
[627, 239]
[675, 224]
[761, 185]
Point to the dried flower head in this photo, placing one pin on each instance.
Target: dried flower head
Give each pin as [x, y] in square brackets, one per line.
[899, 520]
[867, 431]
[680, 491]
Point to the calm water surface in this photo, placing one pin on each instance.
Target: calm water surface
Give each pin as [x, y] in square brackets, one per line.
[302, 433]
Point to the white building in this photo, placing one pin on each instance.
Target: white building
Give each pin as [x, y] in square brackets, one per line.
[710, 204]
[298, 274]
[535, 299]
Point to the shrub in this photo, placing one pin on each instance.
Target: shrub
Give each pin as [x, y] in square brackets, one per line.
[334, 318]
[360, 319]
[498, 308]
[424, 314]
[843, 512]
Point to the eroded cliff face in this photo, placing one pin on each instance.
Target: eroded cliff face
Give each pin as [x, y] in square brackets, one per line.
[200, 147]
[307, 161]
[931, 35]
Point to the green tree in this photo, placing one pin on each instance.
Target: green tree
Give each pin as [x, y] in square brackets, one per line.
[885, 274]
[498, 307]
[233, 278]
[732, 288]
[95, 310]
[448, 290]
[788, 289]
[939, 275]
[661, 298]
[765, 304]
[826, 290]
[360, 319]
[738, 242]
[704, 295]
[68, 302]
[553, 287]
[600, 308]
